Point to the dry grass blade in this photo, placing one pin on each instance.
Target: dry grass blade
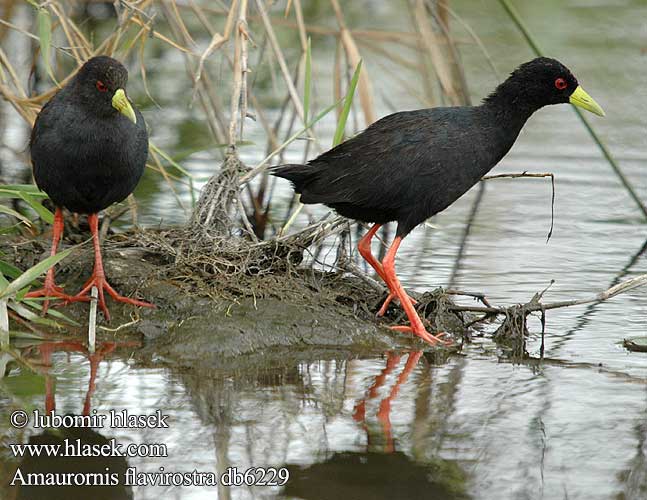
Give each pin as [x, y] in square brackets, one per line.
[431, 46]
[276, 48]
[239, 91]
[217, 40]
[262, 165]
[354, 58]
[163, 38]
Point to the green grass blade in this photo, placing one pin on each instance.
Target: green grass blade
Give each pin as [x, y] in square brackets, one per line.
[51, 312]
[26, 335]
[13, 213]
[4, 324]
[42, 212]
[14, 191]
[169, 159]
[521, 25]
[31, 316]
[32, 273]
[8, 270]
[45, 37]
[308, 83]
[262, 165]
[348, 102]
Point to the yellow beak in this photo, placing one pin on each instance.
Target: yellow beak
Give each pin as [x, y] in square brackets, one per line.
[583, 100]
[121, 103]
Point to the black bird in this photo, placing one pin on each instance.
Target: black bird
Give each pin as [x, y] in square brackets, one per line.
[88, 148]
[411, 165]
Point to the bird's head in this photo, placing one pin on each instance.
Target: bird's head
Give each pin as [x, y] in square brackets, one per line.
[101, 85]
[541, 82]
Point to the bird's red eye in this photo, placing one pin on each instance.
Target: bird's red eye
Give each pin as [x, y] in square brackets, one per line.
[101, 87]
[560, 84]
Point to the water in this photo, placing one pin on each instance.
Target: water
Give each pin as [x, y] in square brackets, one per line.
[475, 425]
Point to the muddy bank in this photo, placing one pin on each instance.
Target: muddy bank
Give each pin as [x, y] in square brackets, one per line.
[214, 320]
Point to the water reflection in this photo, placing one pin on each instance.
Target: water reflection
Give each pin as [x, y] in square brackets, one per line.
[105, 474]
[380, 471]
[40, 356]
[378, 476]
[404, 425]
[76, 477]
[384, 412]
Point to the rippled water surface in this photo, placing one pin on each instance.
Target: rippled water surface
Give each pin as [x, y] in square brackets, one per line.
[474, 425]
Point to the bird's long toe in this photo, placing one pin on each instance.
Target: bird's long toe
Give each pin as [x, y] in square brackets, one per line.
[423, 334]
[102, 285]
[49, 291]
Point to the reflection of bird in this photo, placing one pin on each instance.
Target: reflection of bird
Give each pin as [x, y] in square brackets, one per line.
[411, 165]
[89, 147]
[389, 476]
[76, 477]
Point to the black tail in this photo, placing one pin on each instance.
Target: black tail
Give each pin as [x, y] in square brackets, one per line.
[298, 175]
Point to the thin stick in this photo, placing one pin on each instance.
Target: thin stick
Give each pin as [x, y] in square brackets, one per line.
[527, 174]
[535, 305]
[267, 24]
[216, 41]
[4, 324]
[515, 176]
[246, 223]
[240, 75]
[92, 328]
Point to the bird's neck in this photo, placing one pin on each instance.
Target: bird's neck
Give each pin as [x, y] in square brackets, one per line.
[513, 102]
[514, 112]
[504, 123]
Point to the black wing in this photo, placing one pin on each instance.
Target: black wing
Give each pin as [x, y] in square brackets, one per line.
[382, 165]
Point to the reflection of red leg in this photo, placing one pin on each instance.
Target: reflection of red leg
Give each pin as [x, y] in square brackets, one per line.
[392, 361]
[50, 289]
[98, 277]
[384, 413]
[364, 247]
[416, 327]
[50, 393]
[95, 359]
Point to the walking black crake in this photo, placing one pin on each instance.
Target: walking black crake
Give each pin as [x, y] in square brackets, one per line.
[411, 165]
[88, 148]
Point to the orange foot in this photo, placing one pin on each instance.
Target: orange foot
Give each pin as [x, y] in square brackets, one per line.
[51, 291]
[388, 300]
[423, 334]
[100, 282]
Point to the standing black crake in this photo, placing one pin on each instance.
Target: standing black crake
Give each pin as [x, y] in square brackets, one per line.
[411, 165]
[88, 147]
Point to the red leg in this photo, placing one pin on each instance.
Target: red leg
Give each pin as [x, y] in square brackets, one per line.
[98, 277]
[364, 247]
[50, 290]
[388, 264]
